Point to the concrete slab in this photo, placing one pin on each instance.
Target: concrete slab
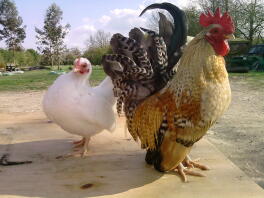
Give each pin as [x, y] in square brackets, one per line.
[115, 166]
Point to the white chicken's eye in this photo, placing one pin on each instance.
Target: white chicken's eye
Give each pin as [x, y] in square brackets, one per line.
[84, 65]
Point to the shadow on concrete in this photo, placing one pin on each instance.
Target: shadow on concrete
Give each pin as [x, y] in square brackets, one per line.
[99, 174]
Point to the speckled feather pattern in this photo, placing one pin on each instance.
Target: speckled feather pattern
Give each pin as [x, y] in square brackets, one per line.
[143, 72]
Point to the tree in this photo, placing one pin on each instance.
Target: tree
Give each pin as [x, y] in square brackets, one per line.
[192, 15]
[70, 55]
[50, 39]
[153, 20]
[23, 57]
[32, 57]
[213, 4]
[250, 20]
[11, 30]
[98, 44]
[100, 39]
[95, 54]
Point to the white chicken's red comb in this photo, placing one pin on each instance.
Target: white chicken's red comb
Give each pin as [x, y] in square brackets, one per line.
[78, 61]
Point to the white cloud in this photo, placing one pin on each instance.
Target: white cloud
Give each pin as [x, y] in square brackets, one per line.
[86, 20]
[117, 20]
[180, 3]
[85, 28]
[78, 36]
[104, 19]
[122, 20]
[124, 12]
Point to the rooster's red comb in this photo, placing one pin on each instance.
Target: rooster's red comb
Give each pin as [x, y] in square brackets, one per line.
[224, 20]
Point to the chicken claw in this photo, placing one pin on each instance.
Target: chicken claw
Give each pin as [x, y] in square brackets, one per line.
[183, 171]
[188, 162]
[80, 153]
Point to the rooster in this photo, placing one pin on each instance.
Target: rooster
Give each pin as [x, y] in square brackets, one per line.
[79, 108]
[171, 120]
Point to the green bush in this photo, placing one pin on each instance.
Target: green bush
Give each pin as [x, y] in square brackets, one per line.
[21, 58]
[95, 54]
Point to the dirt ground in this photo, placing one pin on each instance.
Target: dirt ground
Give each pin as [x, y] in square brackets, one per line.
[239, 134]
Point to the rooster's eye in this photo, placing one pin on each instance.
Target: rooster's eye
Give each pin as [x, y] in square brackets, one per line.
[215, 31]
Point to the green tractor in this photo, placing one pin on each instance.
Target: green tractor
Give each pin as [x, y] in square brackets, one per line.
[253, 60]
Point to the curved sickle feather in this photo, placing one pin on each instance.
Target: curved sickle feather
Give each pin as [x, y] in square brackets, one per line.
[179, 35]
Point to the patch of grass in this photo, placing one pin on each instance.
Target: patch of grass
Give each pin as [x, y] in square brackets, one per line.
[254, 79]
[250, 74]
[97, 75]
[40, 80]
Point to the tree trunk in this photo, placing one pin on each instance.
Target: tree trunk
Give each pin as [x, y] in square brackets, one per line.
[226, 5]
[251, 22]
[13, 50]
[52, 62]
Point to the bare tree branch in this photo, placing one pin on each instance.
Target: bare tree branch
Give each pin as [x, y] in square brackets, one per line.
[99, 39]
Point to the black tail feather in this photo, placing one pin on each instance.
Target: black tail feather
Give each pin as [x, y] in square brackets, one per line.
[179, 36]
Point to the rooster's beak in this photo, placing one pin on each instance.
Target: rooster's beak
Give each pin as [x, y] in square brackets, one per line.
[230, 36]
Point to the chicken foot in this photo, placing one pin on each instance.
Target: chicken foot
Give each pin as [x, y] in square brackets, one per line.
[189, 163]
[183, 171]
[183, 168]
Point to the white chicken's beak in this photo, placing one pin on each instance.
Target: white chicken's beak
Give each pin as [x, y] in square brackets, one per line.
[76, 69]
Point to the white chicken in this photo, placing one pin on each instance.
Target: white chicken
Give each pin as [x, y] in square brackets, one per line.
[79, 108]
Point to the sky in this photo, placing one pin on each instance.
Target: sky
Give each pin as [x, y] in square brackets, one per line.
[85, 17]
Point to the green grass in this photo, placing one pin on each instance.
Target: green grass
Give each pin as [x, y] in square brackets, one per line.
[254, 79]
[97, 76]
[250, 75]
[40, 80]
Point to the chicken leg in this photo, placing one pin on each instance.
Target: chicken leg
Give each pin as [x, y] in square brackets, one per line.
[79, 143]
[80, 150]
